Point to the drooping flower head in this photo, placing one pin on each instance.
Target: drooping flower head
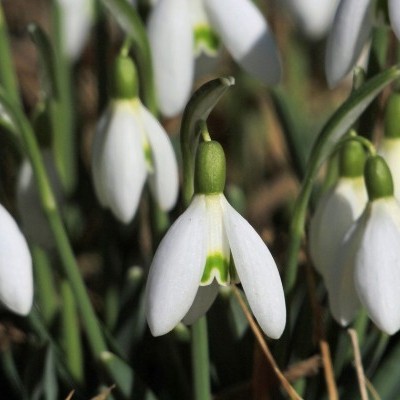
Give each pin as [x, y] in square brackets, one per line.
[179, 30]
[210, 245]
[338, 208]
[368, 266]
[129, 146]
[351, 28]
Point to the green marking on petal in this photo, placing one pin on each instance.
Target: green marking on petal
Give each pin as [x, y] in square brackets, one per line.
[216, 267]
[205, 39]
[148, 156]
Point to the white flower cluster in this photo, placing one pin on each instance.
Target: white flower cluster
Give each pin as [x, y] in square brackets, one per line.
[355, 245]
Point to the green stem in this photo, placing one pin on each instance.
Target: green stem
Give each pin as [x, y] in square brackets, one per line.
[62, 109]
[200, 361]
[68, 262]
[46, 290]
[7, 73]
[71, 340]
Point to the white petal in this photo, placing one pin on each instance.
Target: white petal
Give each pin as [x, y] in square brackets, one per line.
[350, 29]
[122, 166]
[16, 283]
[204, 299]
[339, 278]
[394, 13]
[165, 181]
[314, 16]
[335, 213]
[171, 42]
[377, 272]
[76, 22]
[390, 150]
[246, 35]
[257, 272]
[176, 269]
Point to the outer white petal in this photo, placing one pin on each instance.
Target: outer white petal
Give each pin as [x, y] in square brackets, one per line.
[16, 283]
[171, 42]
[257, 272]
[350, 29]
[314, 16]
[76, 22]
[390, 150]
[394, 12]
[335, 213]
[339, 278]
[122, 166]
[176, 269]
[204, 299]
[377, 272]
[34, 223]
[246, 35]
[165, 180]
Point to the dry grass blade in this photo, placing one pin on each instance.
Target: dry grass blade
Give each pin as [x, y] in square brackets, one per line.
[358, 364]
[104, 393]
[69, 397]
[264, 347]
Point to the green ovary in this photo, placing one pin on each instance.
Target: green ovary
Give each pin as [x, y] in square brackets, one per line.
[205, 39]
[217, 267]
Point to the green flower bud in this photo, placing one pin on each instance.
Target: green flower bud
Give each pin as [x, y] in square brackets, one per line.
[392, 116]
[378, 178]
[351, 159]
[124, 78]
[210, 168]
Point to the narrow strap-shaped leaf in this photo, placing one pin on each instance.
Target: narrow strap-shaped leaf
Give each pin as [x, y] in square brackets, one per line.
[331, 133]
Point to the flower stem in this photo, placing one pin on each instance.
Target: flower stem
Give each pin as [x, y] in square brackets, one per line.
[8, 78]
[49, 205]
[200, 361]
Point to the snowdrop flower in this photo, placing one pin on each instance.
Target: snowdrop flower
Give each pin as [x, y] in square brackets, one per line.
[16, 282]
[173, 27]
[338, 208]
[194, 258]
[129, 146]
[314, 16]
[34, 222]
[369, 270]
[76, 21]
[351, 27]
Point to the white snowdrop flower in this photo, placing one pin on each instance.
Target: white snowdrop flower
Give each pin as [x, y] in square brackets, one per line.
[194, 258]
[34, 223]
[76, 21]
[16, 282]
[337, 209]
[179, 30]
[129, 146]
[351, 27]
[372, 255]
[314, 16]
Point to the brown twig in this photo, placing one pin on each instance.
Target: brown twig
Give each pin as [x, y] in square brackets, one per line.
[301, 369]
[358, 364]
[371, 388]
[264, 347]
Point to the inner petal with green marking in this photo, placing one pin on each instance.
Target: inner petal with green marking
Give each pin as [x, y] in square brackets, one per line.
[205, 39]
[218, 252]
